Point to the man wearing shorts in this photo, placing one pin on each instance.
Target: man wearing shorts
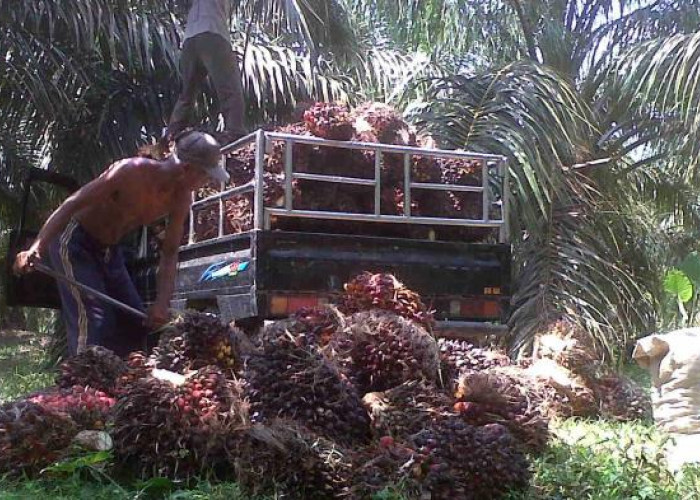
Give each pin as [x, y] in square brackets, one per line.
[81, 240]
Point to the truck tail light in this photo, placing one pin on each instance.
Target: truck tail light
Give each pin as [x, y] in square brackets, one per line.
[475, 308]
[284, 305]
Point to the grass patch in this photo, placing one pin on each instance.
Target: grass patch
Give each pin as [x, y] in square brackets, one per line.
[23, 368]
[598, 460]
[78, 487]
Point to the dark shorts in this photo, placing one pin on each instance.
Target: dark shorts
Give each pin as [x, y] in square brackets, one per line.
[89, 320]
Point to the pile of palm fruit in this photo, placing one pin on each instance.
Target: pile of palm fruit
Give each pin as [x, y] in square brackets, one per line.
[371, 123]
[333, 402]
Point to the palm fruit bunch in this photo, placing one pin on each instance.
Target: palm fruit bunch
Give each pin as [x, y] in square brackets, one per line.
[286, 459]
[88, 407]
[566, 343]
[407, 408]
[565, 394]
[96, 367]
[302, 154]
[288, 378]
[329, 121]
[207, 394]
[379, 350]
[32, 436]
[138, 366]
[457, 356]
[195, 340]
[469, 462]
[387, 464]
[393, 201]
[239, 214]
[383, 291]
[210, 342]
[377, 122]
[425, 169]
[460, 171]
[161, 429]
[621, 399]
[151, 434]
[486, 397]
[321, 322]
[240, 164]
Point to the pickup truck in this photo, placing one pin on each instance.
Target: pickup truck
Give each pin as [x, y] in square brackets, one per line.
[291, 257]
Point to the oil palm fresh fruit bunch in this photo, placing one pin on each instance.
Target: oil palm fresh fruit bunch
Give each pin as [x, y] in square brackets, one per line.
[32, 436]
[283, 457]
[384, 291]
[485, 397]
[461, 172]
[151, 433]
[621, 399]
[329, 121]
[89, 408]
[406, 409]
[387, 463]
[96, 367]
[470, 462]
[321, 322]
[301, 153]
[195, 340]
[161, 429]
[457, 356]
[379, 350]
[383, 122]
[289, 378]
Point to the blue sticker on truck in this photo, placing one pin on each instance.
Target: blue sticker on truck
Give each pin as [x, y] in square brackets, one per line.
[222, 270]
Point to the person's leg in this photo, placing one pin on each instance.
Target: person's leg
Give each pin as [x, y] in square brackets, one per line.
[222, 66]
[193, 75]
[130, 331]
[87, 319]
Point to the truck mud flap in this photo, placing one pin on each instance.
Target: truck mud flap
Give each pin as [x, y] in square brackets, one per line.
[232, 307]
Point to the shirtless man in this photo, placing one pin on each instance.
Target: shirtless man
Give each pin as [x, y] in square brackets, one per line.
[81, 239]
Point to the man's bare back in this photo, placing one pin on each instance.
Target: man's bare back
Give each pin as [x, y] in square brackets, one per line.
[140, 192]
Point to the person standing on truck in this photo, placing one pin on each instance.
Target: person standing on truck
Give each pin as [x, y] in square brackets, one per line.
[81, 240]
[207, 51]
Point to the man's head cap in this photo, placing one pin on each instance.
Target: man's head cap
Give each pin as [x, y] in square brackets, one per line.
[203, 151]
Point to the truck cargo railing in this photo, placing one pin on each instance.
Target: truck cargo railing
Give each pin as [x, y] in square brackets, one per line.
[491, 166]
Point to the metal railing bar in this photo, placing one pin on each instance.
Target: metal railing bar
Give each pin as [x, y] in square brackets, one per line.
[243, 141]
[259, 181]
[190, 238]
[505, 205]
[446, 187]
[221, 212]
[407, 185]
[335, 178]
[313, 214]
[378, 183]
[288, 173]
[385, 148]
[486, 205]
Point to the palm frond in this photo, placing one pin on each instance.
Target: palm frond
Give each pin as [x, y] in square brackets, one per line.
[566, 260]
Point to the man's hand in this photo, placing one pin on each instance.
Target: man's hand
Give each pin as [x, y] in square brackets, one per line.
[24, 261]
[158, 315]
